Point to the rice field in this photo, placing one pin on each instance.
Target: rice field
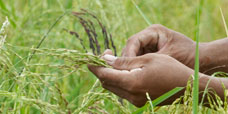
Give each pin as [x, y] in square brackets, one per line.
[45, 49]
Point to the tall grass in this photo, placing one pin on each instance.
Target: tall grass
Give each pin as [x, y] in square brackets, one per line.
[196, 74]
[56, 79]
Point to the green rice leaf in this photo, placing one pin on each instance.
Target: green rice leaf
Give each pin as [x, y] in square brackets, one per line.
[166, 95]
[224, 22]
[141, 13]
[159, 99]
[196, 74]
[142, 109]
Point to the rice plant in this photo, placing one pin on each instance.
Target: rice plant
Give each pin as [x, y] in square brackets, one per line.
[46, 45]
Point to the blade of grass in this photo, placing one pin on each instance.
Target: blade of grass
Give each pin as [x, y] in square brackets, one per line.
[224, 22]
[225, 97]
[140, 110]
[166, 95]
[160, 99]
[141, 13]
[3, 6]
[39, 44]
[225, 26]
[206, 89]
[49, 30]
[196, 74]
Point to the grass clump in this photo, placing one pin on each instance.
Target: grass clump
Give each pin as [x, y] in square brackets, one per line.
[49, 75]
[15, 93]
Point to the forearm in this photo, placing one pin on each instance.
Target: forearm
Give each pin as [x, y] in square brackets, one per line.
[205, 82]
[214, 56]
[212, 83]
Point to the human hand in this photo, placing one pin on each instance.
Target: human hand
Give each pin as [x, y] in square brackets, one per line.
[161, 40]
[132, 77]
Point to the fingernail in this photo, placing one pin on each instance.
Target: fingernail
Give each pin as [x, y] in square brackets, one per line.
[107, 50]
[110, 58]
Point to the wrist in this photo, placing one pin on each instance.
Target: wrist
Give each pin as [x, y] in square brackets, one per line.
[214, 56]
[203, 57]
[213, 83]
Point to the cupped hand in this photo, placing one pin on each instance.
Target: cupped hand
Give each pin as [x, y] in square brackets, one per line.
[159, 39]
[131, 77]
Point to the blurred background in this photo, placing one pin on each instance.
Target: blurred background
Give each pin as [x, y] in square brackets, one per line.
[31, 19]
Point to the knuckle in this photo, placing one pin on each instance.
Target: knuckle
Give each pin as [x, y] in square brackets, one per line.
[118, 63]
[156, 26]
[130, 40]
[147, 58]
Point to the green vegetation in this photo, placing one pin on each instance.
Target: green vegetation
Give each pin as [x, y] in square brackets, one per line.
[42, 63]
[196, 68]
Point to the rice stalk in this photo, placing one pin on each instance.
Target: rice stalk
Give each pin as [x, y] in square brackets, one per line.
[73, 56]
[24, 99]
[196, 74]
[2, 32]
[90, 30]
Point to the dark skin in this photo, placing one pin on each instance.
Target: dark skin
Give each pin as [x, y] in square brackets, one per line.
[157, 60]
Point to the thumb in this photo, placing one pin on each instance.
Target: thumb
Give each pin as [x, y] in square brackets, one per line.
[124, 63]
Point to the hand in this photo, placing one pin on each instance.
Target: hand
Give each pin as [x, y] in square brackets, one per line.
[162, 40]
[132, 77]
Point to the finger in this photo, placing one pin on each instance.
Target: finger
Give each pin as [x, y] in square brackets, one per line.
[118, 91]
[109, 58]
[132, 47]
[122, 79]
[125, 63]
[109, 55]
[107, 51]
[137, 100]
[148, 36]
